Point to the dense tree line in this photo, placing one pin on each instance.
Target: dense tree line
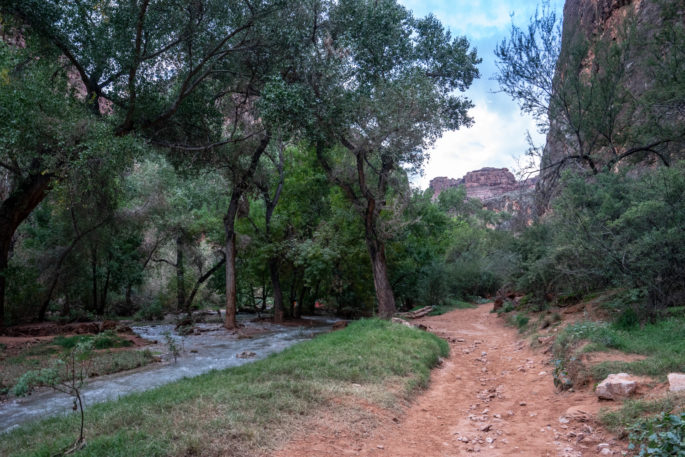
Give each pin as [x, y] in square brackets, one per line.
[159, 156]
[148, 147]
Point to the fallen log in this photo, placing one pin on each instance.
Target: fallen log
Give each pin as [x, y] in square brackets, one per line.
[416, 314]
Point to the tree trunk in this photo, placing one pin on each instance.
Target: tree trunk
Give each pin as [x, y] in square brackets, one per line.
[231, 291]
[200, 281]
[384, 295]
[128, 296]
[4, 258]
[13, 211]
[279, 312]
[263, 298]
[300, 304]
[105, 290]
[379, 265]
[94, 272]
[292, 296]
[229, 228]
[180, 276]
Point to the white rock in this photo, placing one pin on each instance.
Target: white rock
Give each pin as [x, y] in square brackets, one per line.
[616, 386]
[676, 382]
[605, 451]
[397, 320]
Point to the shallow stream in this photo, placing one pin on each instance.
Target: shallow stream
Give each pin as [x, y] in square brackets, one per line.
[213, 348]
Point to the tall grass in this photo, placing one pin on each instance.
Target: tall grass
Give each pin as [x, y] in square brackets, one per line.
[662, 342]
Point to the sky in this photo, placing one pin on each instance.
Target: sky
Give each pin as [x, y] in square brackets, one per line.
[498, 136]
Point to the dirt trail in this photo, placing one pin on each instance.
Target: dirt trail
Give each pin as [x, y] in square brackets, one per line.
[494, 396]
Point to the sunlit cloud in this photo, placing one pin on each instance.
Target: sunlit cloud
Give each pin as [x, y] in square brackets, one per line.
[493, 141]
[498, 138]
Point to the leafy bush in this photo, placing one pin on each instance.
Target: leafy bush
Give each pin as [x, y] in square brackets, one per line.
[597, 332]
[627, 320]
[661, 436]
[519, 321]
[612, 230]
[152, 312]
[507, 308]
[104, 340]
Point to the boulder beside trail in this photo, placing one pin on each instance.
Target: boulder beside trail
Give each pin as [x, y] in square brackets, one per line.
[616, 386]
[676, 382]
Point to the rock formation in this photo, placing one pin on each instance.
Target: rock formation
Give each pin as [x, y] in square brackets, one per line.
[487, 184]
[496, 188]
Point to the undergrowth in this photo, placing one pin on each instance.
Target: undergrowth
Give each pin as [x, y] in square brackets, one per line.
[633, 411]
[662, 342]
[660, 436]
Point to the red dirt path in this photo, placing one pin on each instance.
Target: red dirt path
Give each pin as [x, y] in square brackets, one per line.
[493, 396]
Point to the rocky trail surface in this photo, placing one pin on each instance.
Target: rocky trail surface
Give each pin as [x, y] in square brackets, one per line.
[493, 396]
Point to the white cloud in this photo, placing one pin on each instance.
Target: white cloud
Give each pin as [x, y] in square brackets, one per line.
[498, 138]
[495, 140]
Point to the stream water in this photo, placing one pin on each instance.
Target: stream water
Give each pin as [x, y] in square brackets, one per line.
[212, 349]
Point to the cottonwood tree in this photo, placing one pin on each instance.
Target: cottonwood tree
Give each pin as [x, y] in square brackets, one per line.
[381, 88]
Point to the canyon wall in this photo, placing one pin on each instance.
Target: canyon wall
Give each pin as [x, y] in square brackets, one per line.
[627, 103]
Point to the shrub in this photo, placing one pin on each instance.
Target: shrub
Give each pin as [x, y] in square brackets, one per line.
[661, 436]
[152, 312]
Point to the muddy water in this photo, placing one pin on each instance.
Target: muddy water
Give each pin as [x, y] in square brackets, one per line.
[213, 348]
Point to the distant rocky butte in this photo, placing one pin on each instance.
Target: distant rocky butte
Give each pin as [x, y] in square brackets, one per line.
[498, 190]
[485, 184]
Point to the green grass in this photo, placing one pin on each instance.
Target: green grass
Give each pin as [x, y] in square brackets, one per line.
[248, 409]
[632, 411]
[451, 306]
[663, 343]
[104, 340]
[520, 321]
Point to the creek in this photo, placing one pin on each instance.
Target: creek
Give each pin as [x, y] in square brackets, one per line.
[212, 348]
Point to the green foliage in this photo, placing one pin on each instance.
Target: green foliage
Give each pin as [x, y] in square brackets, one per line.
[66, 374]
[614, 230]
[634, 411]
[450, 305]
[104, 340]
[152, 312]
[520, 321]
[661, 342]
[627, 320]
[661, 436]
[445, 254]
[174, 348]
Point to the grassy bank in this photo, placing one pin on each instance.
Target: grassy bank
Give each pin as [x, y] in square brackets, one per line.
[106, 359]
[663, 343]
[636, 410]
[246, 410]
